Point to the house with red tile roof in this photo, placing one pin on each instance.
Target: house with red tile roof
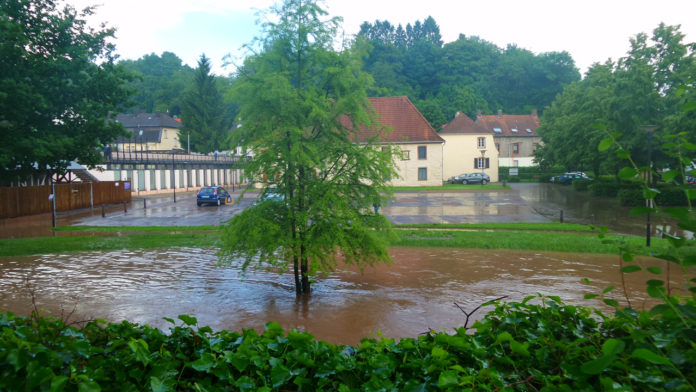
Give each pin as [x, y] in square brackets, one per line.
[469, 148]
[515, 137]
[420, 163]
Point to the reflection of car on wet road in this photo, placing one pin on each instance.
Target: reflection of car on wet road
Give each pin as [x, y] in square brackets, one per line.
[212, 195]
[272, 194]
[568, 178]
[470, 178]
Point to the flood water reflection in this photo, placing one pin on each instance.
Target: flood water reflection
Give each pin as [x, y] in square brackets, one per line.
[411, 296]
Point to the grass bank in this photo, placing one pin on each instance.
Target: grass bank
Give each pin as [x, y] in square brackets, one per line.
[555, 237]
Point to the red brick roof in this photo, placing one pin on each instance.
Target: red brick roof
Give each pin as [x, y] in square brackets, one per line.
[507, 122]
[463, 124]
[407, 124]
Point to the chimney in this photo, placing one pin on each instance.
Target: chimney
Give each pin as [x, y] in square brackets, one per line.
[534, 113]
[500, 113]
[457, 114]
[479, 113]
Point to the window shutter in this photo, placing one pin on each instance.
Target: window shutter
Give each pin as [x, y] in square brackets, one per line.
[475, 163]
[488, 163]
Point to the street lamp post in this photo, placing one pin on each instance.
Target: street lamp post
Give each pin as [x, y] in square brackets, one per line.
[649, 129]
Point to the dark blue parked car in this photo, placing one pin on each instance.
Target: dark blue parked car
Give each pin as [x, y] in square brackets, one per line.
[213, 195]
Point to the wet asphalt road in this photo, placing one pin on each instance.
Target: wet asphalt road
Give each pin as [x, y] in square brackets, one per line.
[522, 203]
[405, 207]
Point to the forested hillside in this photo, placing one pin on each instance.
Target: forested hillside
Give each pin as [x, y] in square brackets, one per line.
[466, 75]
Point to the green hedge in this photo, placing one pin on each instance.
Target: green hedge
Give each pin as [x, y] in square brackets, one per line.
[669, 195]
[582, 185]
[522, 346]
[528, 174]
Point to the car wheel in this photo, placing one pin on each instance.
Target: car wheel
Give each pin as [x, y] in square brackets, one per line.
[464, 182]
[199, 204]
[484, 182]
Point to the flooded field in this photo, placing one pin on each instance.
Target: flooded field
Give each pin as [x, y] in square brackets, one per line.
[414, 294]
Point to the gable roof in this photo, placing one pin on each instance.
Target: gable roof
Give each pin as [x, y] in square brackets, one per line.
[463, 124]
[147, 120]
[520, 125]
[407, 123]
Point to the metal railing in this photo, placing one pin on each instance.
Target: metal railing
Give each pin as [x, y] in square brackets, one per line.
[164, 157]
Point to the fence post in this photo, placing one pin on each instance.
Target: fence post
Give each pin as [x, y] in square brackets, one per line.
[103, 213]
[125, 209]
[144, 204]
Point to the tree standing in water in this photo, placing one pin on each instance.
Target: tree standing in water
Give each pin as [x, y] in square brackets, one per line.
[305, 115]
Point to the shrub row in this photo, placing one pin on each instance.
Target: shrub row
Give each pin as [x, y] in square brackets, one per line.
[532, 345]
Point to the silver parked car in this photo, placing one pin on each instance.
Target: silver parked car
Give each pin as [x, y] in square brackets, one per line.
[470, 178]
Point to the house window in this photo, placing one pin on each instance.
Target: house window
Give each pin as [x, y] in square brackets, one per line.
[515, 163]
[422, 173]
[536, 147]
[515, 148]
[405, 155]
[497, 146]
[422, 152]
[482, 163]
[482, 142]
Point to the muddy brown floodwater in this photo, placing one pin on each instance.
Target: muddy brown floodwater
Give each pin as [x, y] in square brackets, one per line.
[409, 297]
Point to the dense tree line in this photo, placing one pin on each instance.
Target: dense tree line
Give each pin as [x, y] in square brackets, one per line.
[466, 75]
[56, 89]
[646, 87]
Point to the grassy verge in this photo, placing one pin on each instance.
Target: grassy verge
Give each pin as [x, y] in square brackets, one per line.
[554, 237]
[451, 187]
[524, 240]
[66, 244]
[541, 226]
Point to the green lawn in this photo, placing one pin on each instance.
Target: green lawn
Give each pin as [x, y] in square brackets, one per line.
[556, 237]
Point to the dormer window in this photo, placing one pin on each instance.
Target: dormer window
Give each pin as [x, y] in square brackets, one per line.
[514, 130]
[497, 130]
[529, 130]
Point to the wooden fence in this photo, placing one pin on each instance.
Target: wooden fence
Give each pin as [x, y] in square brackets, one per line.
[20, 201]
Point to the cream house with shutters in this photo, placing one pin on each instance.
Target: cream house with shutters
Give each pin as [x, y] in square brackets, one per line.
[468, 148]
[420, 163]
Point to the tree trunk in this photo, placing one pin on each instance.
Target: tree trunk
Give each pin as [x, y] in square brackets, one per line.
[298, 284]
[305, 275]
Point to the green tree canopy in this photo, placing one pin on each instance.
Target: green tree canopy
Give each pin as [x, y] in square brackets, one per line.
[639, 89]
[58, 84]
[414, 62]
[203, 112]
[159, 82]
[304, 114]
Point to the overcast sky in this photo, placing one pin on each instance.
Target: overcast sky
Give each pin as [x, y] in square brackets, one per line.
[590, 30]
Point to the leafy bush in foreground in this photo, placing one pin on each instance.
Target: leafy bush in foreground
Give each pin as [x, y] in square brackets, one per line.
[517, 346]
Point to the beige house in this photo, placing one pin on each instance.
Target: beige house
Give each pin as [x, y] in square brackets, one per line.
[421, 147]
[151, 132]
[469, 148]
[515, 136]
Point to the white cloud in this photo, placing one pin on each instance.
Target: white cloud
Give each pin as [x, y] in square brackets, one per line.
[591, 30]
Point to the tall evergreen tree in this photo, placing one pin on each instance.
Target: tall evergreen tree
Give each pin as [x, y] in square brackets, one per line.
[203, 112]
[304, 114]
